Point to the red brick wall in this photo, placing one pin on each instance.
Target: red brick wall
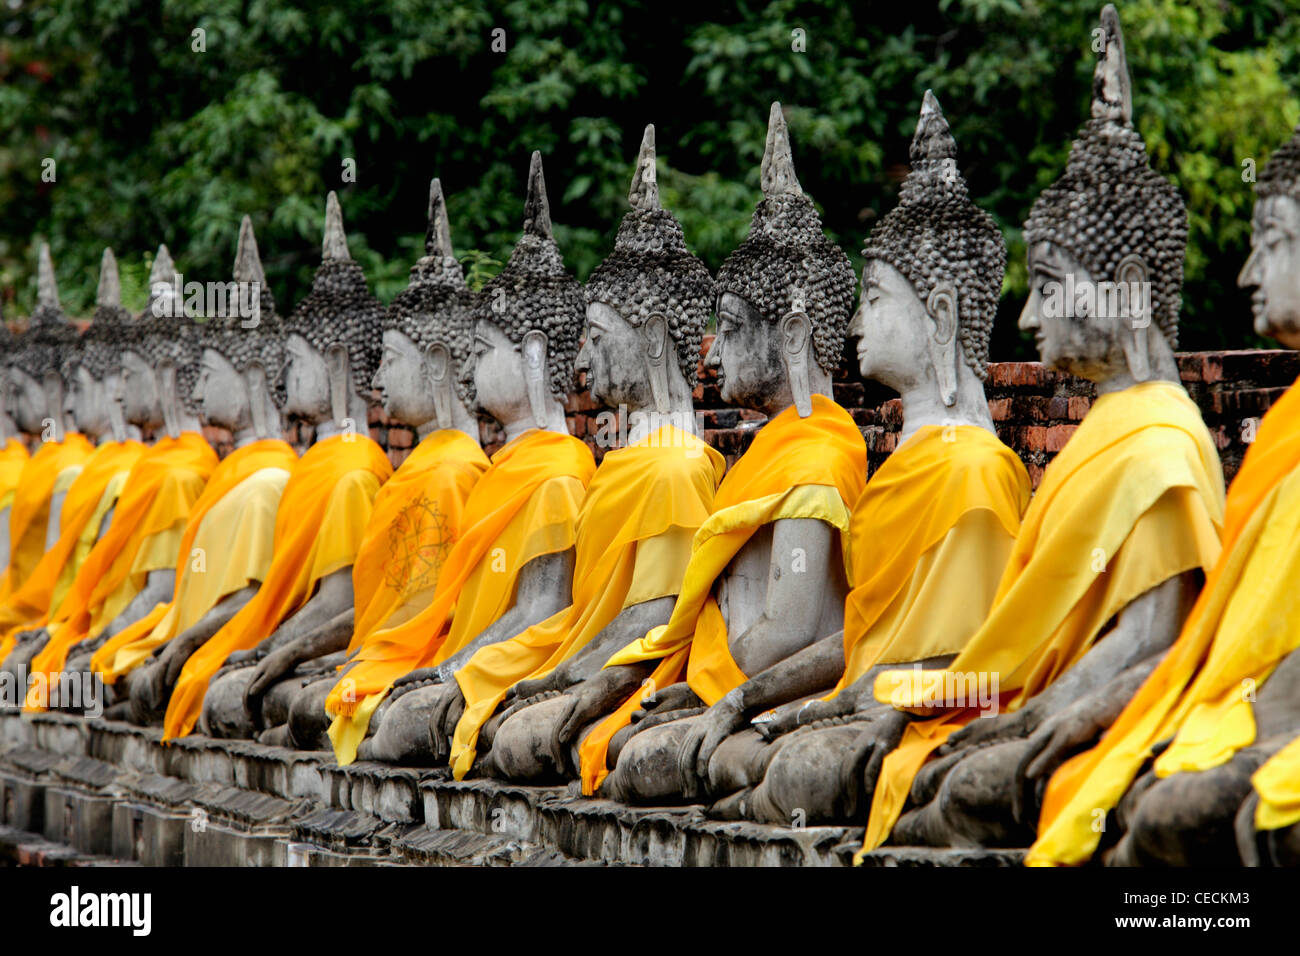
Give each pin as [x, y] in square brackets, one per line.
[1035, 409]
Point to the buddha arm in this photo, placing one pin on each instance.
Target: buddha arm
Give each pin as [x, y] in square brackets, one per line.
[178, 650]
[158, 588]
[331, 636]
[4, 537]
[545, 586]
[632, 623]
[334, 596]
[792, 607]
[1147, 626]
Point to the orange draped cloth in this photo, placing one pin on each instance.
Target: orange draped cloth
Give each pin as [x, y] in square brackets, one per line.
[160, 490]
[30, 512]
[417, 519]
[912, 503]
[233, 469]
[12, 459]
[319, 526]
[812, 467]
[662, 483]
[1238, 630]
[1134, 498]
[541, 476]
[29, 606]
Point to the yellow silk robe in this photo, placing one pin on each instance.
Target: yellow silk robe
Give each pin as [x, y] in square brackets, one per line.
[1278, 786]
[52, 469]
[1245, 621]
[630, 549]
[812, 467]
[319, 527]
[12, 459]
[927, 543]
[226, 546]
[1134, 498]
[90, 496]
[144, 536]
[524, 506]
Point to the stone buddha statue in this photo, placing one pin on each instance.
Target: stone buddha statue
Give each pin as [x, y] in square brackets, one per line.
[766, 577]
[516, 568]
[37, 403]
[1112, 549]
[131, 568]
[231, 525]
[13, 452]
[427, 338]
[91, 368]
[647, 305]
[331, 350]
[939, 517]
[1220, 710]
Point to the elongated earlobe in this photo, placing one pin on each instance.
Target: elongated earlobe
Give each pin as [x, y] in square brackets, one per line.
[942, 309]
[1134, 320]
[437, 363]
[340, 371]
[656, 338]
[264, 425]
[796, 340]
[535, 375]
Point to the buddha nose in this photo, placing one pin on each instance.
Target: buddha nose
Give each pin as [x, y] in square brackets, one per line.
[856, 322]
[713, 358]
[1029, 314]
[1250, 272]
[583, 362]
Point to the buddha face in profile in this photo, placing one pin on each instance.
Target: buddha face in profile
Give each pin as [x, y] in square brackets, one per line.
[613, 355]
[402, 380]
[746, 352]
[1080, 336]
[88, 399]
[498, 373]
[139, 396]
[306, 381]
[220, 392]
[891, 326]
[1273, 269]
[25, 401]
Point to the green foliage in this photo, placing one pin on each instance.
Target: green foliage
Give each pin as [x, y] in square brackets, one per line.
[155, 141]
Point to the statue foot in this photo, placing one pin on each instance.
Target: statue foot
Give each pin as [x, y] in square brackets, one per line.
[277, 736]
[224, 714]
[403, 736]
[308, 721]
[732, 808]
[814, 776]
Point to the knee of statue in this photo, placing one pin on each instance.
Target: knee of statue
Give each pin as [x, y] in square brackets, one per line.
[522, 749]
[224, 713]
[647, 768]
[403, 735]
[308, 721]
[805, 782]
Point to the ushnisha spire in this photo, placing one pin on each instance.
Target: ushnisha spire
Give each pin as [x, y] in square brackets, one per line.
[777, 174]
[246, 339]
[534, 292]
[1109, 203]
[436, 307]
[101, 344]
[1112, 88]
[786, 262]
[651, 272]
[47, 287]
[49, 336]
[340, 310]
[163, 332]
[936, 235]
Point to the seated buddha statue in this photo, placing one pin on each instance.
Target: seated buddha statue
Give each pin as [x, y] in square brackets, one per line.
[91, 369]
[331, 350]
[939, 517]
[1112, 549]
[13, 450]
[512, 565]
[428, 330]
[226, 546]
[766, 574]
[130, 568]
[1220, 710]
[647, 305]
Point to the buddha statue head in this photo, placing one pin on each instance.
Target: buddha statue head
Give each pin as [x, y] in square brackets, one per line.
[1273, 268]
[647, 305]
[429, 334]
[332, 339]
[242, 356]
[8, 349]
[93, 370]
[528, 320]
[160, 357]
[931, 277]
[35, 369]
[1106, 244]
[784, 296]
